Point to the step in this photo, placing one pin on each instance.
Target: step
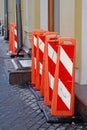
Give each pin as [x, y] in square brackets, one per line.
[18, 70]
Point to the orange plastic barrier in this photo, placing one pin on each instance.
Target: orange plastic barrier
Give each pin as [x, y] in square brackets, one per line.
[42, 59]
[40, 54]
[13, 39]
[51, 48]
[39, 57]
[34, 54]
[63, 92]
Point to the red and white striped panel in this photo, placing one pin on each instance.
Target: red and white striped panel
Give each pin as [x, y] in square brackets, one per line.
[52, 59]
[10, 38]
[40, 53]
[15, 38]
[41, 43]
[35, 50]
[65, 79]
[35, 34]
[35, 45]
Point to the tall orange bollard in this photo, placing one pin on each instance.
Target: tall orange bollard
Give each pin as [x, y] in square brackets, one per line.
[14, 50]
[10, 37]
[13, 39]
[43, 59]
[39, 57]
[52, 42]
[63, 92]
[34, 54]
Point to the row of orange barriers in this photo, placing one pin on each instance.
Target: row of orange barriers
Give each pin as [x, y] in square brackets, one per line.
[53, 70]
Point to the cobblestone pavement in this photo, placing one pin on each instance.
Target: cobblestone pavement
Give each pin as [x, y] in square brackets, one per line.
[19, 109]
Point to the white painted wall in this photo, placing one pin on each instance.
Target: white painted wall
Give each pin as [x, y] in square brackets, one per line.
[44, 14]
[83, 79]
[2, 11]
[29, 15]
[67, 17]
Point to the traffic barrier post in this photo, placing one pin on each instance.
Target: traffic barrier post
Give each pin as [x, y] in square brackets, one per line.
[39, 57]
[51, 47]
[63, 92]
[10, 37]
[34, 54]
[13, 39]
[42, 68]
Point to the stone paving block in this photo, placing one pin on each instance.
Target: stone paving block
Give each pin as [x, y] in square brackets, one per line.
[42, 128]
[35, 127]
[45, 125]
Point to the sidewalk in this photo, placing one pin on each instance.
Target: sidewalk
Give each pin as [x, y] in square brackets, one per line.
[19, 109]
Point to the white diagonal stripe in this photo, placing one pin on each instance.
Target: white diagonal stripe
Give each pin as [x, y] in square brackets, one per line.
[35, 63]
[41, 45]
[15, 32]
[64, 94]
[15, 44]
[41, 67]
[52, 53]
[66, 61]
[35, 41]
[51, 80]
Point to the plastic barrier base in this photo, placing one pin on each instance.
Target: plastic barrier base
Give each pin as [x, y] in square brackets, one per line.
[55, 119]
[19, 55]
[76, 119]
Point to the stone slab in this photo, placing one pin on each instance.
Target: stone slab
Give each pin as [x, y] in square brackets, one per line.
[19, 77]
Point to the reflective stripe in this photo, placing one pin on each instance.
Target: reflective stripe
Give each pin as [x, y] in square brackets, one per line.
[41, 66]
[51, 81]
[15, 44]
[66, 61]
[35, 41]
[15, 32]
[35, 63]
[41, 45]
[52, 54]
[64, 94]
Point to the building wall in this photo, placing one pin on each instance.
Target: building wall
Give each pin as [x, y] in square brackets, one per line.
[2, 11]
[31, 19]
[73, 24]
[37, 14]
[44, 14]
[81, 38]
[22, 13]
[83, 68]
[67, 18]
[78, 33]
[11, 11]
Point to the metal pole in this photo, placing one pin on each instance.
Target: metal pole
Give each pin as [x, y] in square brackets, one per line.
[19, 26]
[6, 19]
